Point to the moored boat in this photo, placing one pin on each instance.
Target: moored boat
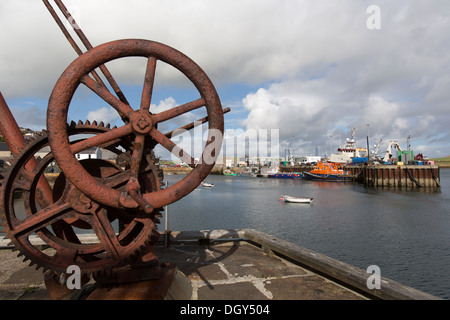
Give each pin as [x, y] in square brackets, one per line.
[327, 172]
[286, 175]
[228, 172]
[207, 185]
[347, 152]
[296, 199]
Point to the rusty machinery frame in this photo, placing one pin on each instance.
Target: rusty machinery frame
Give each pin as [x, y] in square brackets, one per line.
[92, 194]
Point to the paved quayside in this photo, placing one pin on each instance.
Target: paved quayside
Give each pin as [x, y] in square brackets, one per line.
[234, 265]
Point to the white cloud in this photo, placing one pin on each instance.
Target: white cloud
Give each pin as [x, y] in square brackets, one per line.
[107, 115]
[164, 105]
[319, 68]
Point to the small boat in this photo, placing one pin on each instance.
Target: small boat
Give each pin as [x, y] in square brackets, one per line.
[286, 175]
[229, 173]
[207, 185]
[296, 199]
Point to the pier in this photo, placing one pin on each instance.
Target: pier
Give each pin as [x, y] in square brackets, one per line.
[397, 176]
[388, 176]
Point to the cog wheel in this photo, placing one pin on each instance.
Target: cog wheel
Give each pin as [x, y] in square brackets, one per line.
[142, 123]
[58, 214]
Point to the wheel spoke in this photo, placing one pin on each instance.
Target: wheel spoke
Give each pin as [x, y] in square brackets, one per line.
[101, 138]
[40, 219]
[148, 84]
[123, 109]
[174, 112]
[136, 157]
[173, 148]
[191, 125]
[105, 232]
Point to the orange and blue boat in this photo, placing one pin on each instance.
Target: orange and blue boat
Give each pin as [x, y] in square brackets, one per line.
[327, 172]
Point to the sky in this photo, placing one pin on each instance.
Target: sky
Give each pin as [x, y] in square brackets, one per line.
[312, 70]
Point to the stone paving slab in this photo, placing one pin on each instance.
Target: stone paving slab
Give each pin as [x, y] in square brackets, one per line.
[228, 271]
[230, 264]
[242, 271]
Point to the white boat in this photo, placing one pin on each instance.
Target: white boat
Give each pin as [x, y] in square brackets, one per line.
[296, 199]
[207, 185]
[347, 152]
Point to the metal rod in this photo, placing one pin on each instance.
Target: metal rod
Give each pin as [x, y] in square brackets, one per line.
[166, 222]
[69, 38]
[16, 144]
[10, 130]
[191, 125]
[88, 46]
[86, 43]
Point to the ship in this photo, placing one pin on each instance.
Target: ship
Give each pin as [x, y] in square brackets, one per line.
[347, 152]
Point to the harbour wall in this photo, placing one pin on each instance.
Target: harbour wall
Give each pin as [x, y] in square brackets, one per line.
[389, 176]
[400, 176]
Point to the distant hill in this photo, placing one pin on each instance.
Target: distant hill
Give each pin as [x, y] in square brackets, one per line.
[442, 162]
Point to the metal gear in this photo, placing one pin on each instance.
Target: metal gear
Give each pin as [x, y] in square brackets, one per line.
[142, 123]
[57, 216]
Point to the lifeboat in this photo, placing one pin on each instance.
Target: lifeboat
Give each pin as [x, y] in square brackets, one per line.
[327, 172]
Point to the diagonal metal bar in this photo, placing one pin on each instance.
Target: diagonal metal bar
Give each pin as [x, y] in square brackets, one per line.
[86, 43]
[16, 143]
[123, 109]
[101, 138]
[173, 148]
[41, 219]
[70, 39]
[191, 125]
[174, 112]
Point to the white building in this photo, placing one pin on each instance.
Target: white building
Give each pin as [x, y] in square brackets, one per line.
[92, 153]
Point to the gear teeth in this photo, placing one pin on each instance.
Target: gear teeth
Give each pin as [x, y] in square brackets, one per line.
[144, 240]
[10, 244]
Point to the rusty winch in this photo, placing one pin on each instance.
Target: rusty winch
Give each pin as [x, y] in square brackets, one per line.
[120, 202]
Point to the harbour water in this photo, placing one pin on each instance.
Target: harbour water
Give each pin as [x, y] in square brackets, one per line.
[405, 233]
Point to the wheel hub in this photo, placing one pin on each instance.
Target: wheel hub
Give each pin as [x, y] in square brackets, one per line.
[141, 122]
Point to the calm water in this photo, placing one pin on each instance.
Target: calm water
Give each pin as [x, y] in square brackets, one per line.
[405, 233]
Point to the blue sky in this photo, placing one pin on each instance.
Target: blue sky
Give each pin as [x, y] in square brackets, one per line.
[311, 69]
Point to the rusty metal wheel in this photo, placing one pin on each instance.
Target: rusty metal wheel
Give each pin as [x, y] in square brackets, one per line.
[59, 216]
[140, 123]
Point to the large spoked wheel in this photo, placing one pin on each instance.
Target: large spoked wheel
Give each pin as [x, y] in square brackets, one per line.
[141, 124]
